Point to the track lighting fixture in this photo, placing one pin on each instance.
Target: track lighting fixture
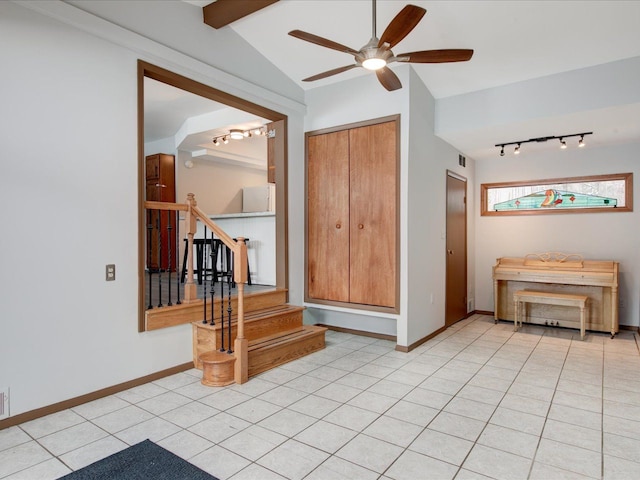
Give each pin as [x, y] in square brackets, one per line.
[563, 142]
[237, 134]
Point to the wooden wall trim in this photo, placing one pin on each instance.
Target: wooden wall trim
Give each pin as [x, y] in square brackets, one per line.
[362, 333]
[88, 397]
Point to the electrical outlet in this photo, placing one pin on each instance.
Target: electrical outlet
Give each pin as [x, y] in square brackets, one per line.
[111, 272]
[4, 403]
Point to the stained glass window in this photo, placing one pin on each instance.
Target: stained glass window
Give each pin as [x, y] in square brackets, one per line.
[585, 194]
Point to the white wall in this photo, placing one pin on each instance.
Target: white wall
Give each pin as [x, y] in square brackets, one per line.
[598, 236]
[69, 185]
[429, 160]
[217, 186]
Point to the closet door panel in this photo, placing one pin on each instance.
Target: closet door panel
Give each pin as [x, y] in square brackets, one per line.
[373, 207]
[328, 216]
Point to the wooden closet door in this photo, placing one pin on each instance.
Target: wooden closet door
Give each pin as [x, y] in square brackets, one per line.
[373, 207]
[328, 216]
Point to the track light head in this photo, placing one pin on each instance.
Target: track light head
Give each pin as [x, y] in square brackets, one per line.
[216, 142]
[225, 140]
[581, 142]
[563, 144]
[502, 151]
[517, 150]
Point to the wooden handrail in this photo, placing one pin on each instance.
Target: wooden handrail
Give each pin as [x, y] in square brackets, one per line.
[240, 262]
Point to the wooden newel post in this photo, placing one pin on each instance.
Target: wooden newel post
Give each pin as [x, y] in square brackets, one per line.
[241, 345]
[190, 288]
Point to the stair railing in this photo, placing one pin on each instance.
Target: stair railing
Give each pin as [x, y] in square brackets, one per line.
[239, 251]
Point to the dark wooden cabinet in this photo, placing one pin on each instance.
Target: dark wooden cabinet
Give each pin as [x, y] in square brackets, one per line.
[161, 225]
[352, 215]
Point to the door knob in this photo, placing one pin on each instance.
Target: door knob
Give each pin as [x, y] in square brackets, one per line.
[450, 252]
[360, 226]
[338, 225]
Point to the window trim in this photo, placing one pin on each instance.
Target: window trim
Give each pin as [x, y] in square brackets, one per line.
[628, 207]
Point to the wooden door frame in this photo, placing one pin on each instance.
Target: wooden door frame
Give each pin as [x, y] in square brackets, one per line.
[160, 74]
[463, 179]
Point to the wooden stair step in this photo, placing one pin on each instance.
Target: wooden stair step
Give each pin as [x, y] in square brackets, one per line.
[264, 323]
[268, 352]
[217, 368]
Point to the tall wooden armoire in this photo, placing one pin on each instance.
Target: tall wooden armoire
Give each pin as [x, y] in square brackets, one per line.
[161, 187]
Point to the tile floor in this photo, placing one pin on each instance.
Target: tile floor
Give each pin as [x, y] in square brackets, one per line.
[478, 401]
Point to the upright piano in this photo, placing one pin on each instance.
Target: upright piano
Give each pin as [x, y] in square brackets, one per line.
[561, 273]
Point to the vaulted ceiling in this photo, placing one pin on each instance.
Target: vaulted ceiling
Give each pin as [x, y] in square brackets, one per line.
[514, 41]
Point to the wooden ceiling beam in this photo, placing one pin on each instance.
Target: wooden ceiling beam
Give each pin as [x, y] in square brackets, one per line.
[223, 12]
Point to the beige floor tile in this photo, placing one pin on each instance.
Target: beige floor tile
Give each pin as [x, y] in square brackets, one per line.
[393, 431]
[338, 469]
[573, 435]
[569, 457]
[48, 470]
[441, 446]
[412, 413]
[209, 461]
[71, 438]
[497, 463]
[253, 442]
[12, 437]
[325, 436]
[616, 468]
[508, 440]
[540, 471]
[21, 457]
[185, 444]
[520, 421]
[621, 447]
[370, 453]
[293, 460]
[351, 417]
[93, 452]
[457, 425]
[413, 465]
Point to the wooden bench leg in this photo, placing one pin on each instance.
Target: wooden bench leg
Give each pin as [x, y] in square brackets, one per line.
[515, 315]
[582, 326]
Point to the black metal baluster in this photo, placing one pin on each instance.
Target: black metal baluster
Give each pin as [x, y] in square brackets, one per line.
[177, 237]
[230, 279]
[150, 272]
[200, 268]
[169, 258]
[159, 259]
[221, 246]
[211, 257]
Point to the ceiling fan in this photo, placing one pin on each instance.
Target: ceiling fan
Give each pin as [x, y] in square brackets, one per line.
[377, 54]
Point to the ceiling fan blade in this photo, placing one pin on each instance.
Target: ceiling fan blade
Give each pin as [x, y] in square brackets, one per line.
[323, 42]
[401, 25]
[437, 56]
[328, 73]
[388, 79]
[223, 12]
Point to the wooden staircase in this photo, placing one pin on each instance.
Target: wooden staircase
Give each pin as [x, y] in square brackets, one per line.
[274, 331]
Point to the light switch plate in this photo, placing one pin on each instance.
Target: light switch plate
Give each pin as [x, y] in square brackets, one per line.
[111, 272]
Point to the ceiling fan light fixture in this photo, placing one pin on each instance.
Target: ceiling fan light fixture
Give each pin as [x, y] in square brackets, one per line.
[374, 63]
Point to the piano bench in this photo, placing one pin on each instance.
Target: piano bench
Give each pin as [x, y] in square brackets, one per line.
[522, 297]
